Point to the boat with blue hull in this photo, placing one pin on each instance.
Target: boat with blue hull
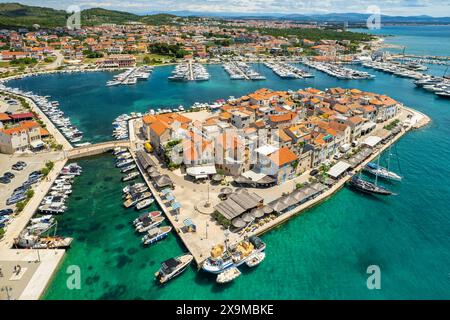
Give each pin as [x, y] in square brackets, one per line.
[223, 258]
[156, 234]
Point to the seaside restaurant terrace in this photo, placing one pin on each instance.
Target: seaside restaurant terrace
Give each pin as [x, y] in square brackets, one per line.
[291, 201]
[241, 208]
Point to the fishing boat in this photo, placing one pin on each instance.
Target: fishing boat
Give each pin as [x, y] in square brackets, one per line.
[147, 215]
[144, 204]
[381, 172]
[156, 234]
[255, 259]
[173, 267]
[367, 187]
[222, 258]
[228, 275]
[130, 176]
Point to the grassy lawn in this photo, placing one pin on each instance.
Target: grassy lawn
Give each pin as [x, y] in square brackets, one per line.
[154, 58]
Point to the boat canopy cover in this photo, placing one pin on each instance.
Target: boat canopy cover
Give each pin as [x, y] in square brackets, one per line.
[170, 264]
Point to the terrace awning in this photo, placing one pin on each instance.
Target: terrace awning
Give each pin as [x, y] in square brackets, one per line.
[37, 144]
[201, 170]
[372, 141]
[338, 169]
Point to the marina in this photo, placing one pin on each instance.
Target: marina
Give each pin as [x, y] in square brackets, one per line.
[338, 71]
[131, 76]
[287, 71]
[189, 71]
[238, 70]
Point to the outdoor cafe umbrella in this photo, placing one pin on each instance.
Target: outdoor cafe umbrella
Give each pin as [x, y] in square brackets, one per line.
[238, 223]
[226, 190]
[247, 217]
[155, 174]
[217, 177]
[267, 210]
[257, 213]
[240, 190]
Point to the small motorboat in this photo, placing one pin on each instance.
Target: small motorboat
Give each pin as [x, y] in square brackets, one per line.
[149, 223]
[130, 176]
[144, 204]
[147, 215]
[173, 267]
[228, 275]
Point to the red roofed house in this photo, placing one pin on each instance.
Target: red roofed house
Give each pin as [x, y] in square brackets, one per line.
[25, 136]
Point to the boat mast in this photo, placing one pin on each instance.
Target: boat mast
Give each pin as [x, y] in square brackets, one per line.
[378, 166]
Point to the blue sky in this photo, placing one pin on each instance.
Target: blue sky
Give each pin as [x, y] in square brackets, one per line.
[437, 8]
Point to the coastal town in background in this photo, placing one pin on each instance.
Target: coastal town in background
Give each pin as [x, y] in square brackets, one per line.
[216, 175]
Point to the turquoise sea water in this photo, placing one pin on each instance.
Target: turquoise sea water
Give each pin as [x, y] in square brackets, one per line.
[321, 254]
[423, 40]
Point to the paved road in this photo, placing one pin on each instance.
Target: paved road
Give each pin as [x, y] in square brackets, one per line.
[57, 63]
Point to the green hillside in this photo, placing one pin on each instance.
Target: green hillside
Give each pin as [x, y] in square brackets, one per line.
[16, 15]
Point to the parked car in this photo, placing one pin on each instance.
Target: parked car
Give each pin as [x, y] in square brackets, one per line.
[5, 180]
[21, 163]
[314, 172]
[6, 212]
[15, 199]
[17, 167]
[9, 175]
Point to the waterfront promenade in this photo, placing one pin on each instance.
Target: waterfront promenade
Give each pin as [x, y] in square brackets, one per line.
[419, 121]
[209, 233]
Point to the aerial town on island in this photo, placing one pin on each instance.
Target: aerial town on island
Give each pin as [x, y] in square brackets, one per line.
[220, 174]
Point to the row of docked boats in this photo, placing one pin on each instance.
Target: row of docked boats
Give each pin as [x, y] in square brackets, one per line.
[52, 111]
[338, 71]
[410, 70]
[120, 125]
[440, 86]
[54, 202]
[287, 71]
[238, 70]
[131, 76]
[189, 71]
[136, 195]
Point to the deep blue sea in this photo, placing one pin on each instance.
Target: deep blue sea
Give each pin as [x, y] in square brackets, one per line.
[321, 254]
[423, 40]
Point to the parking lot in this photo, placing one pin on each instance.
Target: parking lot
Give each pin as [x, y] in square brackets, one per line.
[34, 162]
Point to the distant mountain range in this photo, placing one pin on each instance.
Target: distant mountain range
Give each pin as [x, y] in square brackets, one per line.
[330, 17]
[16, 15]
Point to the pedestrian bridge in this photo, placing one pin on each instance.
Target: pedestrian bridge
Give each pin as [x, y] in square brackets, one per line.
[95, 149]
